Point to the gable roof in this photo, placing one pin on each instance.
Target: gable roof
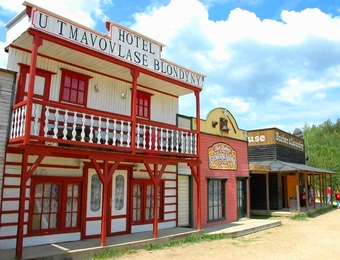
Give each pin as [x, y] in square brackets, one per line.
[280, 166]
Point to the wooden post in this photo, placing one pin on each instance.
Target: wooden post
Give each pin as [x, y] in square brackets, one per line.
[267, 191]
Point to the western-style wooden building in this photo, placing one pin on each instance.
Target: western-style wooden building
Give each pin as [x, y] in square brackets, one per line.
[92, 141]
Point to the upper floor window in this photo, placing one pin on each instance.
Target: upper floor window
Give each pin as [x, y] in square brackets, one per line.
[74, 87]
[143, 104]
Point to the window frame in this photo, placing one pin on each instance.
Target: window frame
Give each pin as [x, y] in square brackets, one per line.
[221, 195]
[145, 108]
[144, 184]
[62, 205]
[78, 76]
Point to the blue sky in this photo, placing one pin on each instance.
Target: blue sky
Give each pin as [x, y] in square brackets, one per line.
[271, 63]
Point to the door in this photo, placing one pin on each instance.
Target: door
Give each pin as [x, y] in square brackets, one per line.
[241, 198]
[118, 220]
[291, 188]
[41, 92]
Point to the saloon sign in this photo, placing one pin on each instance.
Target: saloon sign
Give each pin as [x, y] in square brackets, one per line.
[222, 157]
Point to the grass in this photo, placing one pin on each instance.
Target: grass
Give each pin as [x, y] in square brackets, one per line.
[315, 213]
[191, 239]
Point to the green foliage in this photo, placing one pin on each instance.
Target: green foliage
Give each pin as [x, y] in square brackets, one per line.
[322, 143]
[113, 254]
[191, 239]
[299, 217]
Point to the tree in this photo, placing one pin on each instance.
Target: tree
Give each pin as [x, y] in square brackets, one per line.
[322, 146]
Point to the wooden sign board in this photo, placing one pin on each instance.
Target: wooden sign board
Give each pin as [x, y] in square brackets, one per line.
[275, 136]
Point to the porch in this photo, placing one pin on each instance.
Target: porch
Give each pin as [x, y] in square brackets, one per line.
[288, 212]
[86, 249]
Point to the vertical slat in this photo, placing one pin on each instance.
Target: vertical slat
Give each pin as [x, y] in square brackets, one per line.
[128, 139]
[35, 120]
[65, 125]
[107, 131]
[47, 114]
[121, 132]
[83, 121]
[91, 129]
[56, 114]
[74, 126]
[114, 131]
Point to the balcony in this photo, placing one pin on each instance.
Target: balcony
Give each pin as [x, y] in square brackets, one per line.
[55, 124]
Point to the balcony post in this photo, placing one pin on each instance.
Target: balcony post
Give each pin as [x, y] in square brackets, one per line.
[135, 74]
[198, 130]
[37, 42]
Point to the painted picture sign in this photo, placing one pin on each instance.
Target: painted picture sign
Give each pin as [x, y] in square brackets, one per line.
[222, 157]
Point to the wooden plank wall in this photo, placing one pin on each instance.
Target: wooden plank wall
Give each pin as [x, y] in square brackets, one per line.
[7, 81]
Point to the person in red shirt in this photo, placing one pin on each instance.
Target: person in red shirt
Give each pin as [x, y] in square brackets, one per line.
[337, 197]
[329, 195]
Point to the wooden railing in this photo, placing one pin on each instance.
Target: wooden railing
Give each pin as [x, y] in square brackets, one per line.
[58, 124]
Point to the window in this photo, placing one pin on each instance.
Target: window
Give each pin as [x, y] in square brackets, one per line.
[74, 87]
[55, 205]
[143, 202]
[216, 199]
[143, 104]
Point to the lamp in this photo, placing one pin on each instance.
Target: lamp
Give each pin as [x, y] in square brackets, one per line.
[96, 89]
[123, 95]
[214, 124]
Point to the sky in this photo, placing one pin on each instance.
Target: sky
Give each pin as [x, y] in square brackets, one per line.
[271, 63]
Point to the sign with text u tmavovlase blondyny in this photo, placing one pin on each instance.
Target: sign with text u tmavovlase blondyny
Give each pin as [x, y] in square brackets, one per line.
[222, 157]
[123, 44]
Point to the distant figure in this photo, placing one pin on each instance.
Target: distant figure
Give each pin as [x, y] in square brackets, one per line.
[310, 195]
[329, 195]
[337, 197]
[303, 198]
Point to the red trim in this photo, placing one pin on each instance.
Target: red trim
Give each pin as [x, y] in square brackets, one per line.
[111, 59]
[66, 92]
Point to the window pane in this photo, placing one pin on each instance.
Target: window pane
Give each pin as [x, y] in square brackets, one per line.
[67, 82]
[96, 193]
[119, 192]
[75, 83]
[66, 95]
[81, 85]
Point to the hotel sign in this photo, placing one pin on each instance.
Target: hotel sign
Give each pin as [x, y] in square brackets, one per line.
[123, 44]
[222, 157]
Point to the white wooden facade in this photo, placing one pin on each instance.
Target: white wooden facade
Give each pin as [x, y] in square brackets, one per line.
[97, 168]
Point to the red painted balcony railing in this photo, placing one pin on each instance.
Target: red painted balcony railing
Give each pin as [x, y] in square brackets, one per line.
[58, 124]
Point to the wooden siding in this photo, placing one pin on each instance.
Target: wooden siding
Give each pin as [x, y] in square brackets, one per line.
[275, 152]
[184, 122]
[231, 185]
[183, 200]
[7, 79]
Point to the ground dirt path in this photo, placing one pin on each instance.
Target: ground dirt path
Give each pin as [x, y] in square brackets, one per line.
[313, 239]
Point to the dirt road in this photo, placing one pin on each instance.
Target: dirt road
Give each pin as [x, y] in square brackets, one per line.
[313, 239]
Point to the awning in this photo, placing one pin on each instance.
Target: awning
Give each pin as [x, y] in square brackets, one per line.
[280, 166]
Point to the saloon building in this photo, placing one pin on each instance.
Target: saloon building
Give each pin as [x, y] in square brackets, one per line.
[224, 179]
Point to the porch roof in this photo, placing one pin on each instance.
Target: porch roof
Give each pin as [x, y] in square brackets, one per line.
[281, 166]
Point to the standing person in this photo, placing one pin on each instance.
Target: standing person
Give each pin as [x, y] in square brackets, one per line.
[329, 195]
[303, 198]
[337, 197]
[310, 195]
